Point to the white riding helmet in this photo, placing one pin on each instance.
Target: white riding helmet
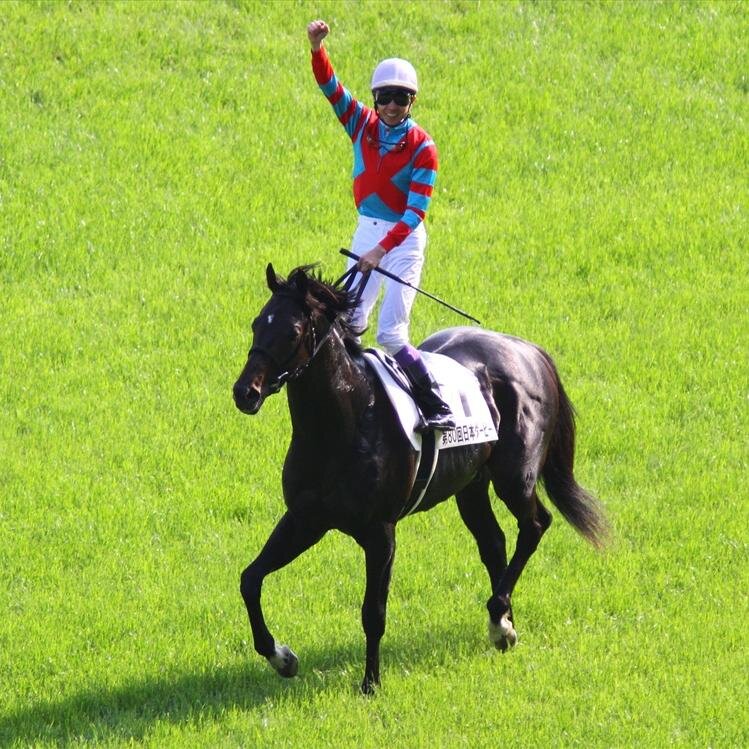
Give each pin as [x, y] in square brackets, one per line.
[395, 72]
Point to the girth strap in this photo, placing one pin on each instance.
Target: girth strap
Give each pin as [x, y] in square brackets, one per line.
[424, 471]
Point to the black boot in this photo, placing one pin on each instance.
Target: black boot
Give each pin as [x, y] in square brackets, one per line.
[436, 414]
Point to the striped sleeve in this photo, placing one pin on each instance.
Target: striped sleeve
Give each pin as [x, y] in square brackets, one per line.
[420, 190]
[346, 107]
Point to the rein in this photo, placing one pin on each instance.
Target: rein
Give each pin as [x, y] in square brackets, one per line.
[287, 375]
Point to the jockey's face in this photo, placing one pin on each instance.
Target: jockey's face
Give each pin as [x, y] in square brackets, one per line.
[393, 105]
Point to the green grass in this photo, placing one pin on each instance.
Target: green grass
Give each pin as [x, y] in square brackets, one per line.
[592, 197]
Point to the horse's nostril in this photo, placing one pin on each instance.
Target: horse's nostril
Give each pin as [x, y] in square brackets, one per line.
[248, 397]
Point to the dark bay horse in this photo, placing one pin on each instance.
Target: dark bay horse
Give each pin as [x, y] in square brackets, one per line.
[350, 466]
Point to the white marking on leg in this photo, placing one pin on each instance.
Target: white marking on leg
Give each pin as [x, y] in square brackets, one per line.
[508, 630]
[278, 661]
[503, 631]
[284, 661]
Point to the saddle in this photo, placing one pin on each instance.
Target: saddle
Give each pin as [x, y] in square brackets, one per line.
[462, 392]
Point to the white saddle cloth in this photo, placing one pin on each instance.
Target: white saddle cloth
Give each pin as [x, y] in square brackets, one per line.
[458, 387]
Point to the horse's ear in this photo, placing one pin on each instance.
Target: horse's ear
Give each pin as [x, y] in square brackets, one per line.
[300, 281]
[271, 278]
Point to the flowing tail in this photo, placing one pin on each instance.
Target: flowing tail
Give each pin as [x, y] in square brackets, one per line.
[580, 508]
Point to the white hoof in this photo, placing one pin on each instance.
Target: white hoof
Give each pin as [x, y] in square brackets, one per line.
[284, 661]
[503, 634]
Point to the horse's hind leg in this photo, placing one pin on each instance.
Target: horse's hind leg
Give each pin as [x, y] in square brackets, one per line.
[289, 539]
[476, 512]
[533, 519]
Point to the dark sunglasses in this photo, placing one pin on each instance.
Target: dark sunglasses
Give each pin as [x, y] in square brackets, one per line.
[401, 98]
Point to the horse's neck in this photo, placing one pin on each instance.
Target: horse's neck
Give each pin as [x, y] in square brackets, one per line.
[327, 401]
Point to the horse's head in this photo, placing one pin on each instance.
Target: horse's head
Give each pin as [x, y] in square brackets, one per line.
[286, 334]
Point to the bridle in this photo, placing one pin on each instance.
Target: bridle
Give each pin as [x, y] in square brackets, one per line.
[289, 375]
[286, 374]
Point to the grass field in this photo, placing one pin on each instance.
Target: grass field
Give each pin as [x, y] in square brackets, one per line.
[592, 197]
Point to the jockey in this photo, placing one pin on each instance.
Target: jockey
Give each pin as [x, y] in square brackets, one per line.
[395, 167]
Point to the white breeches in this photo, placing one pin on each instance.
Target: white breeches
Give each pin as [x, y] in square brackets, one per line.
[405, 261]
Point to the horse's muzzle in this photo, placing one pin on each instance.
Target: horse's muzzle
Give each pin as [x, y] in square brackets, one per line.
[248, 398]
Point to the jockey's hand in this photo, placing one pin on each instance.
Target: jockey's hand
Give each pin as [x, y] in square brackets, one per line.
[316, 32]
[371, 259]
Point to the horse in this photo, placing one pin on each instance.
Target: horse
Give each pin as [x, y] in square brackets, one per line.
[350, 466]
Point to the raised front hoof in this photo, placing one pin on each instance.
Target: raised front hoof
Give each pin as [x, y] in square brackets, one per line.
[502, 634]
[284, 662]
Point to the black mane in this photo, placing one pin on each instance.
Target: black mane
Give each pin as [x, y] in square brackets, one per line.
[323, 297]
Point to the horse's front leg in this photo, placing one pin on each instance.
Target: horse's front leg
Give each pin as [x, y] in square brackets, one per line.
[378, 543]
[289, 539]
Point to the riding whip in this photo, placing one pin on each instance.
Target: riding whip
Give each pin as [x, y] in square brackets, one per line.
[393, 277]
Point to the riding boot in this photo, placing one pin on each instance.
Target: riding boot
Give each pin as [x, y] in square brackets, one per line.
[435, 413]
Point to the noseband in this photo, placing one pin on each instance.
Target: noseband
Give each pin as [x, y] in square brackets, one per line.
[286, 375]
